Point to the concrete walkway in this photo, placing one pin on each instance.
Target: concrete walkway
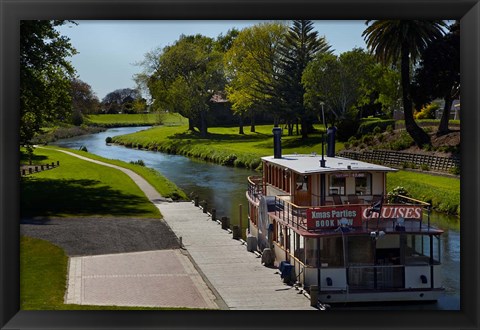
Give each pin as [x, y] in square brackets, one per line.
[235, 276]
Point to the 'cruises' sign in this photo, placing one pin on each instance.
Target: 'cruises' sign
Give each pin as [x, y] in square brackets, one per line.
[329, 217]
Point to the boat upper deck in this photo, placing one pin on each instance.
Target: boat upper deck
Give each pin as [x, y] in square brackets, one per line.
[310, 164]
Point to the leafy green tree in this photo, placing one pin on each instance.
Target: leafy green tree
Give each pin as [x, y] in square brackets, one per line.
[45, 76]
[84, 100]
[189, 73]
[121, 100]
[404, 40]
[251, 66]
[301, 45]
[438, 75]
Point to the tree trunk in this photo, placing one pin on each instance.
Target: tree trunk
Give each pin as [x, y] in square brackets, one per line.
[419, 136]
[240, 125]
[203, 123]
[191, 125]
[304, 128]
[252, 123]
[443, 127]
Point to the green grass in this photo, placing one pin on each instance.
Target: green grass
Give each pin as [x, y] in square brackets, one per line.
[118, 120]
[43, 278]
[442, 192]
[165, 187]
[223, 145]
[81, 188]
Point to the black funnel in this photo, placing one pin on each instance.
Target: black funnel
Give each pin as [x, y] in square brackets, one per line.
[331, 141]
[277, 142]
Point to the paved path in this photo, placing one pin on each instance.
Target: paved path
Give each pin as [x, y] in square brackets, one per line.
[235, 276]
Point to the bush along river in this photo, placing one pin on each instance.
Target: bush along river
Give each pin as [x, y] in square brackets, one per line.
[223, 188]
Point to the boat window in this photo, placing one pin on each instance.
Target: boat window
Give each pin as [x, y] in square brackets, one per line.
[302, 182]
[337, 185]
[360, 250]
[331, 252]
[420, 248]
[311, 252]
[363, 183]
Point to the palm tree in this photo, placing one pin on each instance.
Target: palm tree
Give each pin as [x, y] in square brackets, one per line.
[391, 40]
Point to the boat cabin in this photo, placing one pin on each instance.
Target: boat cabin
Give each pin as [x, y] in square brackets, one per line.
[329, 224]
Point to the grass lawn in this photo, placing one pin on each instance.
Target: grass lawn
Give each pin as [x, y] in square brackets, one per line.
[81, 188]
[117, 120]
[442, 192]
[223, 146]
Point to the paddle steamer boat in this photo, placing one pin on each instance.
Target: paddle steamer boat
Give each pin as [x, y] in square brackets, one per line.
[329, 226]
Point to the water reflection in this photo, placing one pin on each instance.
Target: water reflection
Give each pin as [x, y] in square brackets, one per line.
[224, 188]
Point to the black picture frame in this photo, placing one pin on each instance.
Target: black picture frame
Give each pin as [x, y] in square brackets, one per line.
[11, 11]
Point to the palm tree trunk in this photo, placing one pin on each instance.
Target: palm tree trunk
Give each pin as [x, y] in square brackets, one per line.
[419, 136]
[443, 127]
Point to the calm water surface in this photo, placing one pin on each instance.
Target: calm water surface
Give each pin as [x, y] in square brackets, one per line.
[224, 188]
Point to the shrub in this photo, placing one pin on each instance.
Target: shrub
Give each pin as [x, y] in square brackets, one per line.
[389, 129]
[425, 167]
[403, 142]
[370, 126]
[346, 129]
[108, 139]
[393, 195]
[138, 162]
[455, 170]
[427, 112]
[83, 148]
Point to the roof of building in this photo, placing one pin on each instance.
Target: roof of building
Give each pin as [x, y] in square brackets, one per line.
[308, 164]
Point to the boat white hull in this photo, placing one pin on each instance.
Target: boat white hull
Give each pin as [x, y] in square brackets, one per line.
[393, 296]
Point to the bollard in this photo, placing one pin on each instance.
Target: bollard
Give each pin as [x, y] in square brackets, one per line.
[225, 223]
[53, 164]
[41, 167]
[236, 233]
[36, 168]
[214, 214]
[204, 205]
[313, 295]
[58, 163]
[30, 170]
[196, 201]
[48, 166]
[23, 172]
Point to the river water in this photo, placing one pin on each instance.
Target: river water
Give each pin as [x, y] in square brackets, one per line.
[224, 189]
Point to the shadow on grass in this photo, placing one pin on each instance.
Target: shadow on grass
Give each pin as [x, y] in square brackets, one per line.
[24, 158]
[49, 197]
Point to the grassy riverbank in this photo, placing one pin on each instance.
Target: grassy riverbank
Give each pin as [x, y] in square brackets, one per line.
[442, 192]
[222, 146]
[225, 146]
[148, 119]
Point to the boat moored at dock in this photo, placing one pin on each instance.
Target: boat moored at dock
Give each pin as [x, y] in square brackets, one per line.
[330, 227]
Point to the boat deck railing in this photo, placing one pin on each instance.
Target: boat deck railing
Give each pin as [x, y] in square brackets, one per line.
[296, 216]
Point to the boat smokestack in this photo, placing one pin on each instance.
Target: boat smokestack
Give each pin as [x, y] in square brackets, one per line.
[277, 142]
[331, 141]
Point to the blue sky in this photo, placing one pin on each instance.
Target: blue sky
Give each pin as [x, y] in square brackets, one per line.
[108, 50]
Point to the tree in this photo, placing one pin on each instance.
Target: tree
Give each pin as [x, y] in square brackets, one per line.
[404, 40]
[190, 72]
[45, 75]
[299, 48]
[121, 100]
[84, 99]
[251, 67]
[438, 75]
